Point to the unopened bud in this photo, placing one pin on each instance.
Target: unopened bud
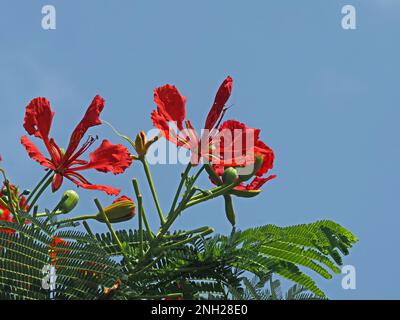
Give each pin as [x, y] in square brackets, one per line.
[142, 145]
[122, 209]
[71, 201]
[229, 210]
[230, 175]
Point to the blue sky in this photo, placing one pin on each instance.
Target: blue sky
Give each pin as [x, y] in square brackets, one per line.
[326, 100]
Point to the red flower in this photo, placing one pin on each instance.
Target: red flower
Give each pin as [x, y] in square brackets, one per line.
[57, 246]
[108, 157]
[171, 107]
[260, 149]
[5, 214]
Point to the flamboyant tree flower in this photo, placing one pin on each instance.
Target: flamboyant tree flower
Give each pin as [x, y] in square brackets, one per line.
[5, 213]
[57, 247]
[260, 176]
[108, 157]
[217, 144]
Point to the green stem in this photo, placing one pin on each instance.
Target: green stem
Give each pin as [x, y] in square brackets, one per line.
[35, 211]
[113, 233]
[140, 226]
[141, 208]
[218, 191]
[79, 218]
[164, 229]
[110, 228]
[45, 214]
[174, 214]
[46, 176]
[180, 243]
[153, 191]
[198, 174]
[146, 223]
[44, 187]
[88, 230]
[181, 183]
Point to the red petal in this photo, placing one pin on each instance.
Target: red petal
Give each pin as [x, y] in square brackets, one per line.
[108, 157]
[57, 182]
[38, 118]
[236, 149]
[167, 131]
[86, 185]
[223, 94]
[170, 104]
[90, 119]
[123, 198]
[57, 241]
[258, 182]
[268, 157]
[35, 154]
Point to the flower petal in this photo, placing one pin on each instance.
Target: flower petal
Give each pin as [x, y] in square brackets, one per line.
[166, 129]
[38, 118]
[223, 94]
[170, 104]
[83, 183]
[236, 143]
[57, 182]
[123, 198]
[258, 182]
[268, 157]
[35, 154]
[108, 157]
[90, 119]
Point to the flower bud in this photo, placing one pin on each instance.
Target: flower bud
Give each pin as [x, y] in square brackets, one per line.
[229, 210]
[229, 176]
[142, 145]
[122, 209]
[70, 203]
[256, 166]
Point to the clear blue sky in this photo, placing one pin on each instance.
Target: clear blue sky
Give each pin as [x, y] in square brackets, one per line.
[326, 99]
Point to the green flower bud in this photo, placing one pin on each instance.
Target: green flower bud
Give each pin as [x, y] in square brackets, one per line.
[230, 175]
[70, 203]
[142, 145]
[123, 209]
[256, 166]
[229, 210]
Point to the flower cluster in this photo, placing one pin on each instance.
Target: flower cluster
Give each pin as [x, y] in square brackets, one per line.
[225, 145]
